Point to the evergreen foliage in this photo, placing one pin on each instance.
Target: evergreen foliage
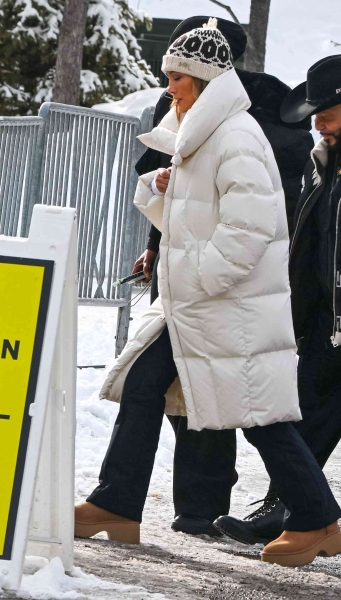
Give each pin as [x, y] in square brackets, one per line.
[29, 29]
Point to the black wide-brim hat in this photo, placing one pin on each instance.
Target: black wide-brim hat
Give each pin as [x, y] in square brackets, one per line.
[322, 90]
[234, 33]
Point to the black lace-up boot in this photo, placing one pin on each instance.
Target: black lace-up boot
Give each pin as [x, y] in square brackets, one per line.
[260, 527]
[195, 526]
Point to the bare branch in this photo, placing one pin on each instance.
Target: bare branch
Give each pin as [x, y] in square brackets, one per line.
[229, 10]
[236, 20]
[335, 43]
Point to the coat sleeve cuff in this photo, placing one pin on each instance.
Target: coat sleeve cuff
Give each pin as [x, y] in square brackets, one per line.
[154, 189]
[149, 204]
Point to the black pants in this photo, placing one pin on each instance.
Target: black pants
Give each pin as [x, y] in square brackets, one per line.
[319, 388]
[204, 470]
[128, 464]
[203, 462]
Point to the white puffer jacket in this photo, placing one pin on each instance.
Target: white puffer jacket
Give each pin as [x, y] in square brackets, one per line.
[224, 268]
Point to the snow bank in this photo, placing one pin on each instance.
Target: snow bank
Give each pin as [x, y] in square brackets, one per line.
[50, 582]
[133, 104]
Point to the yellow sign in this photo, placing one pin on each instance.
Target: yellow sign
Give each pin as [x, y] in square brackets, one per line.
[24, 294]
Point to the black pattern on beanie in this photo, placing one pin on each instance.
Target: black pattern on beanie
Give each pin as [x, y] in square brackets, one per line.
[207, 46]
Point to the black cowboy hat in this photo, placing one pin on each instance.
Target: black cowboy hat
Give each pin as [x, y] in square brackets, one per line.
[233, 32]
[322, 90]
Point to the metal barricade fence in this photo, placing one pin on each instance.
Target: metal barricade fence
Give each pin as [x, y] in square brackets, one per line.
[21, 141]
[78, 157]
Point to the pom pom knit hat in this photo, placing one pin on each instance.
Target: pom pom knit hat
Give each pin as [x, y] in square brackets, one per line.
[232, 32]
[203, 52]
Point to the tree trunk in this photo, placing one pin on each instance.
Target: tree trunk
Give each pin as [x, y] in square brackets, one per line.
[70, 52]
[257, 30]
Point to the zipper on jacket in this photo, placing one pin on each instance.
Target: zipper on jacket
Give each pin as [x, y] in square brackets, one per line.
[299, 216]
[333, 340]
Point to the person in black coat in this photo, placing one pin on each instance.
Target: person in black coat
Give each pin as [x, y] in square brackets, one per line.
[315, 278]
[204, 461]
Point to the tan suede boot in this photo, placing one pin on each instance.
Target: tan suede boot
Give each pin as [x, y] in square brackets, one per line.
[90, 519]
[297, 548]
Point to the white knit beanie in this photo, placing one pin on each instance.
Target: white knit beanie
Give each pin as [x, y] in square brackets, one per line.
[202, 52]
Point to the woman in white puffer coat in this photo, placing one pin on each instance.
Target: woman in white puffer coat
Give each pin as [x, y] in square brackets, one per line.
[218, 345]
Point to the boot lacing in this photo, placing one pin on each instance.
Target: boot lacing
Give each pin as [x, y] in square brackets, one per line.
[267, 505]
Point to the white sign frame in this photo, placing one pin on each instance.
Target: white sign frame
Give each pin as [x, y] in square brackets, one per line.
[52, 236]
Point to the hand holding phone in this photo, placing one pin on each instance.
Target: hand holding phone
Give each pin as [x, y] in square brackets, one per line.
[130, 279]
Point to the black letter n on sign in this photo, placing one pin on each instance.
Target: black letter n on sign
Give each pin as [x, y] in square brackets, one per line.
[7, 347]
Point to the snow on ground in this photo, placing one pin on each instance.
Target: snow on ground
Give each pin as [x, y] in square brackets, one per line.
[45, 580]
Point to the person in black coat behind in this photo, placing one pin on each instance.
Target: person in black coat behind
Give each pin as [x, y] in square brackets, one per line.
[204, 461]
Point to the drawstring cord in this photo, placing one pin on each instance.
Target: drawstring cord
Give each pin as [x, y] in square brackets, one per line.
[139, 295]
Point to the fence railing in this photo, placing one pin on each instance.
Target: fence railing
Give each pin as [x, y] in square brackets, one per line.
[78, 157]
[21, 139]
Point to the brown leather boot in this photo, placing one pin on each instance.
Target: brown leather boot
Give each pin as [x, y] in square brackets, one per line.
[297, 548]
[90, 519]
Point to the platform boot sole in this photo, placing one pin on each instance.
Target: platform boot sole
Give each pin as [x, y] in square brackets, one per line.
[329, 546]
[127, 533]
[251, 542]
